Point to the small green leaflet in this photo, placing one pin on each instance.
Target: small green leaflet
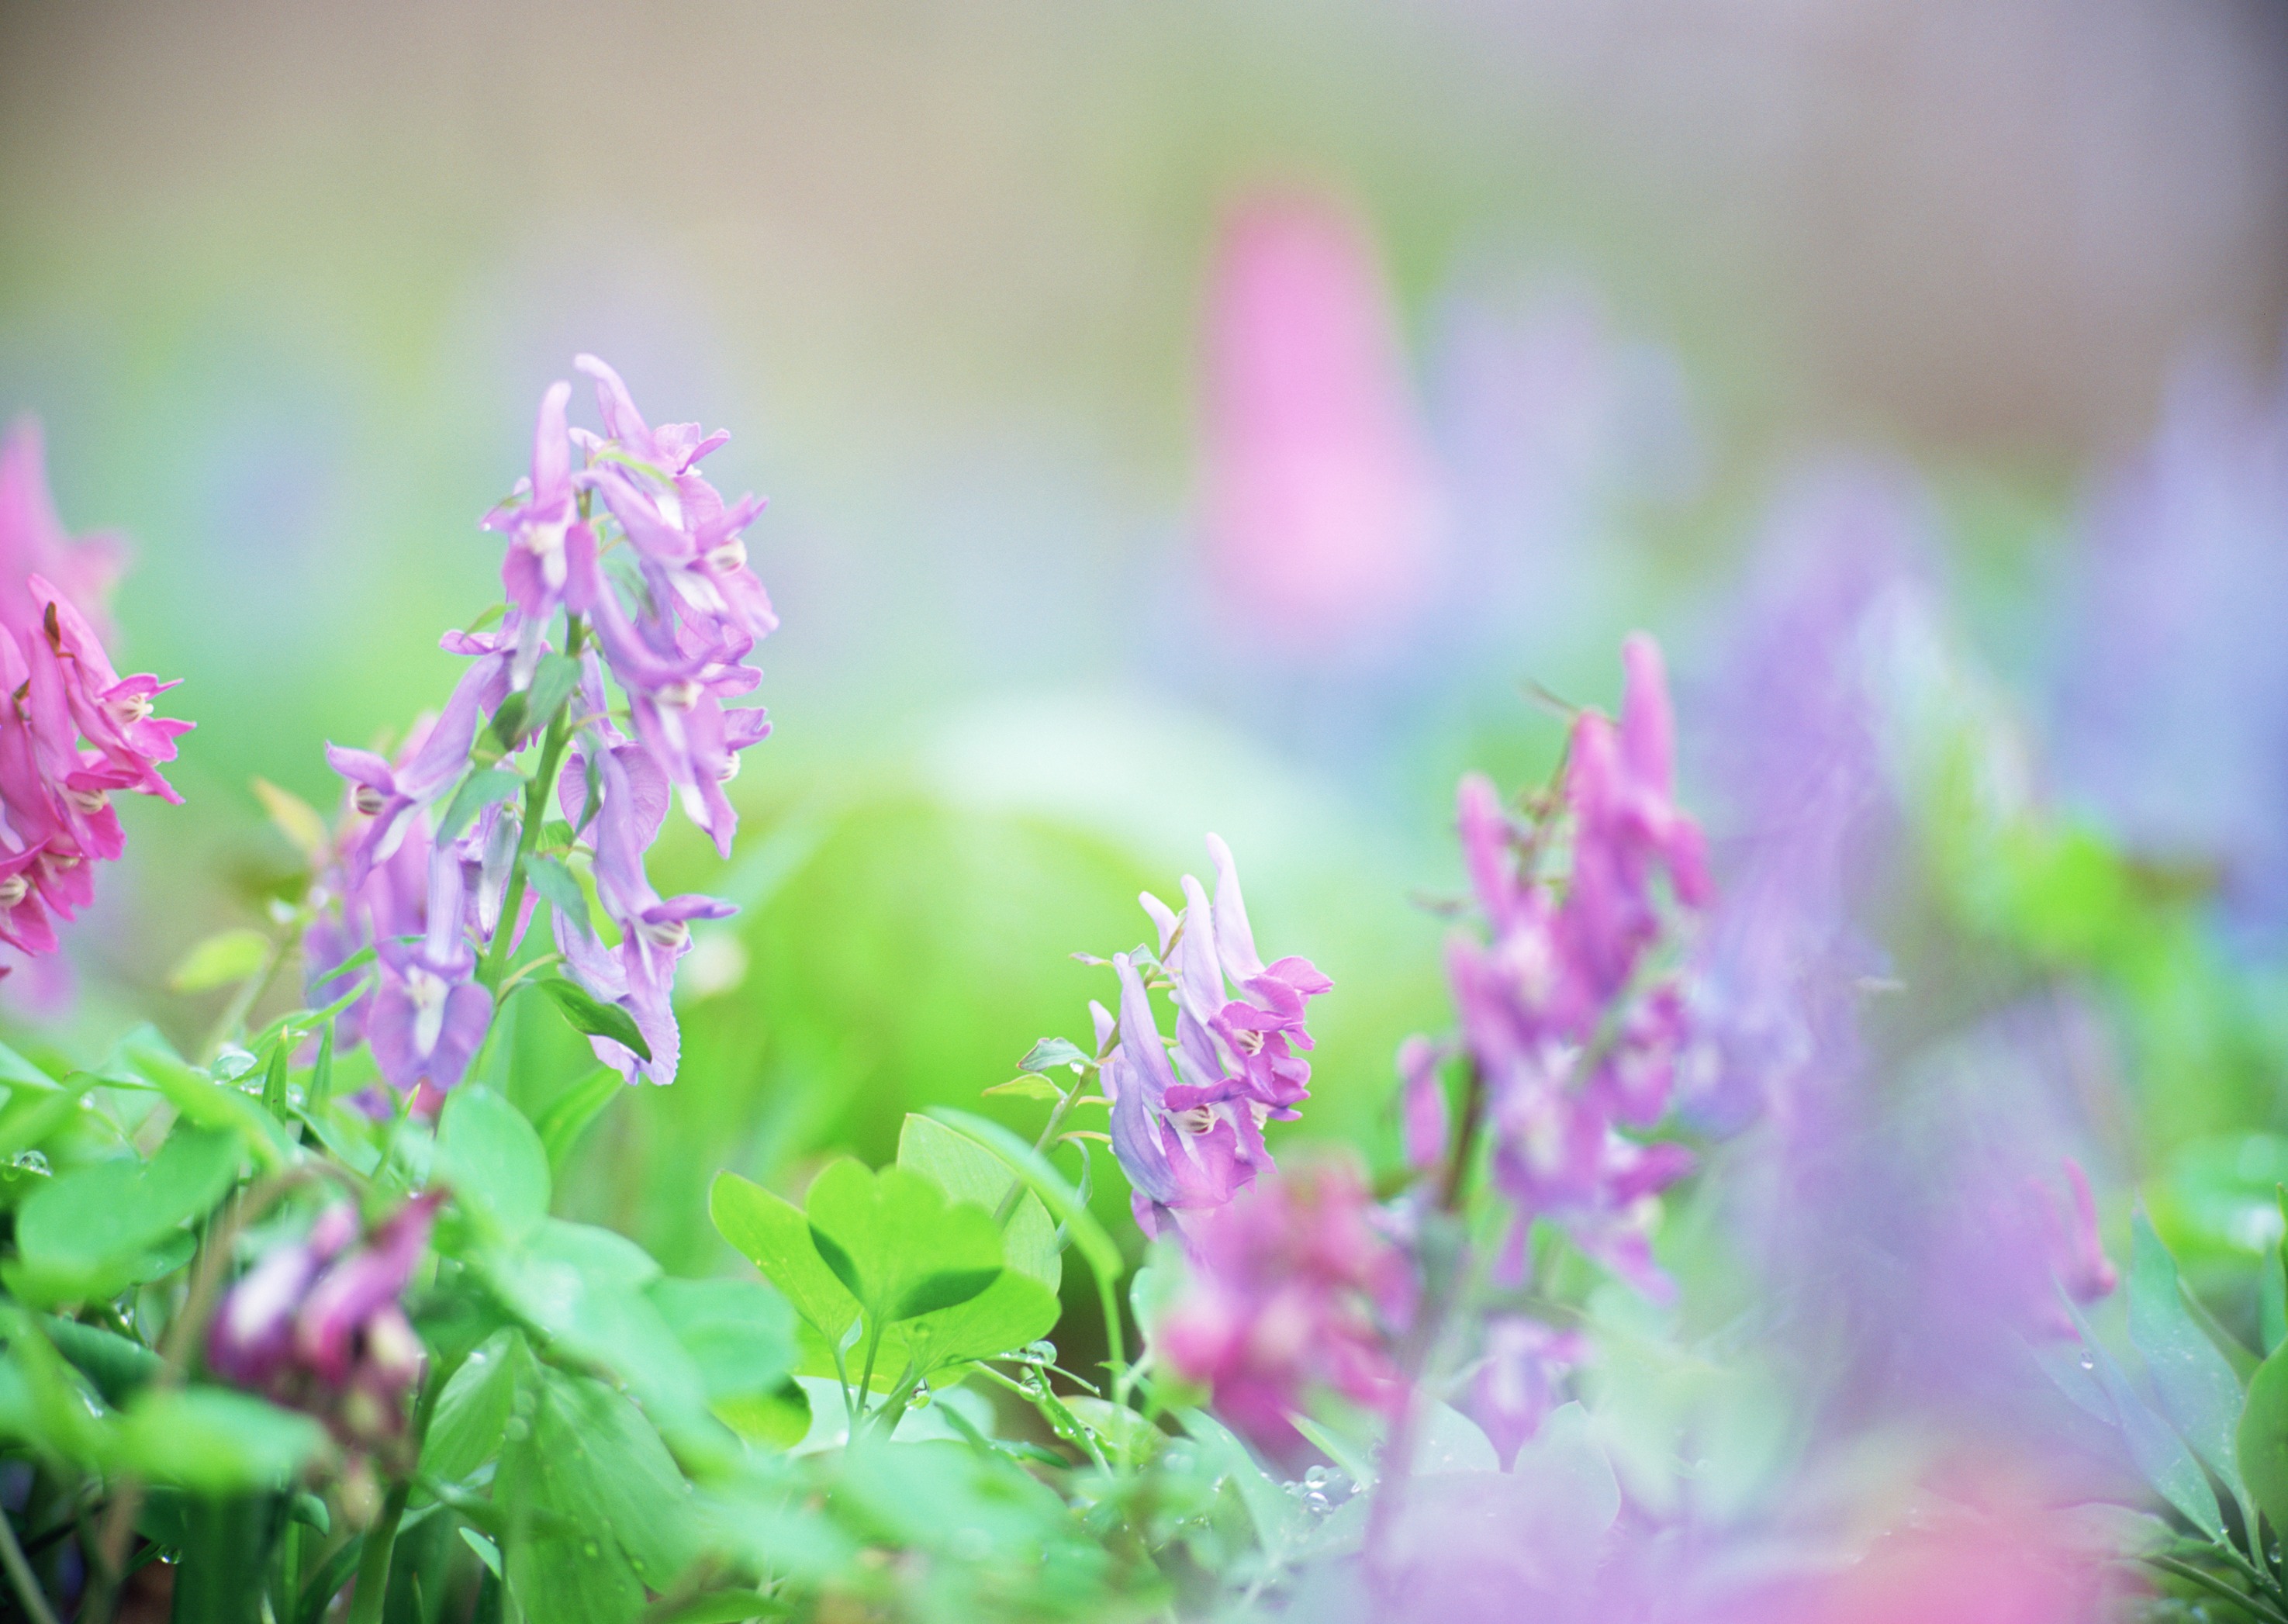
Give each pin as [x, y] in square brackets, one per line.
[1053, 1052]
[1031, 1085]
[220, 960]
[592, 1015]
[478, 791]
[558, 887]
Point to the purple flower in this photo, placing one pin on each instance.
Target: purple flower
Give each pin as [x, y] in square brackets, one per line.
[429, 1015]
[1178, 1159]
[1423, 1105]
[544, 531]
[389, 795]
[317, 1324]
[1516, 1381]
[1229, 1048]
[654, 932]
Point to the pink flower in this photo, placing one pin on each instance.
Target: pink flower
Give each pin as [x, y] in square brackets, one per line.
[1292, 1287]
[1322, 507]
[72, 730]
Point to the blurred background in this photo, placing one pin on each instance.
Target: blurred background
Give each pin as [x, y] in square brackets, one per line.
[1175, 418]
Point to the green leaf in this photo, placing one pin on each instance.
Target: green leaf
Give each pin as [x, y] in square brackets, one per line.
[119, 1368]
[213, 1440]
[1014, 1310]
[274, 1080]
[1053, 1052]
[771, 1232]
[1127, 1435]
[32, 1115]
[570, 1112]
[725, 1607]
[493, 1161]
[2261, 1442]
[1060, 1199]
[145, 1059]
[1027, 1085]
[2156, 1450]
[479, 789]
[473, 1412]
[2199, 1392]
[593, 1017]
[740, 1333]
[584, 1286]
[966, 1171]
[220, 960]
[553, 680]
[593, 1459]
[557, 886]
[899, 1247]
[87, 1235]
[296, 818]
[776, 1420]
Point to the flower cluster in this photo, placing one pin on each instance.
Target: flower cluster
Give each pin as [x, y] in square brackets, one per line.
[72, 730]
[1188, 1120]
[317, 1324]
[1292, 1287]
[1569, 1021]
[627, 571]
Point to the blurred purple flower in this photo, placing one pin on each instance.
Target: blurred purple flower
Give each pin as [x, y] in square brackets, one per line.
[1569, 1040]
[318, 1325]
[2171, 705]
[1516, 1382]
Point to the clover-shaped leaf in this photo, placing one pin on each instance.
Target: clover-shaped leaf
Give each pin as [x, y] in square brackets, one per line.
[898, 1244]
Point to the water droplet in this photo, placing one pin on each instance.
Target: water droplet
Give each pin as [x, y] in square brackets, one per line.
[2088, 1362]
[920, 1397]
[591, 1547]
[30, 1161]
[1318, 1477]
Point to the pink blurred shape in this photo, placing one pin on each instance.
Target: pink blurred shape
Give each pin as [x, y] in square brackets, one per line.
[34, 541]
[1322, 502]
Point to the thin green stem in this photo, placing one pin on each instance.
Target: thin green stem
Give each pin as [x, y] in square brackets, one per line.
[2216, 1586]
[1040, 1147]
[535, 814]
[381, 1539]
[20, 1574]
[866, 1381]
[250, 990]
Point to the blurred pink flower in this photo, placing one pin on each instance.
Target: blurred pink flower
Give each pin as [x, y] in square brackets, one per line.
[1292, 1287]
[33, 541]
[1321, 503]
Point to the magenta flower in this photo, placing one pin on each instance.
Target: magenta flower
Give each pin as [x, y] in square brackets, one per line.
[1292, 1289]
[73, 731]
[1575, 1044]
[318, 1324]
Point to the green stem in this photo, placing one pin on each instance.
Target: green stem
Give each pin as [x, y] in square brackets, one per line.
[381, 1540]
[1040, 1147]
[20, 1574]
[535, 814]
[2216, 1586]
